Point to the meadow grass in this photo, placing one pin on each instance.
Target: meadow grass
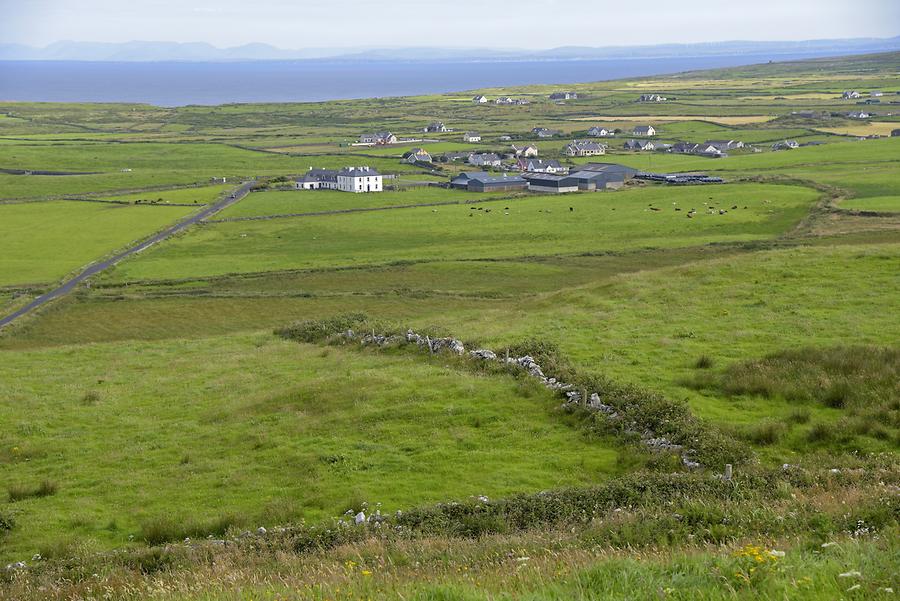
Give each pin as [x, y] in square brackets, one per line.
[259, 431]
[42, 242]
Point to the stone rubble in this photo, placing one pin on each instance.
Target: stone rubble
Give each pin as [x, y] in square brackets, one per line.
[574, 398]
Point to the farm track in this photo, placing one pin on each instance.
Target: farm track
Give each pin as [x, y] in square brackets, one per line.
[71, 283]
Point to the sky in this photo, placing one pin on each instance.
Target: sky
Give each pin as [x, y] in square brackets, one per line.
[536, 24]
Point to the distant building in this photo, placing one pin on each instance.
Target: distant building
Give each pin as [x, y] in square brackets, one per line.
[380, 138]
[540, 166]
[895, 133]
[436, 128]
[600, 132]
[564, 96]
[505, 138]
[550, 184]
[471, 136]
[876, 93]
[417, 155]
[584, 148]
[724, 145]
[850, 95]
[785, 145]
[525, 150]
[651, 98]
[348, 179]
[480, 99]
[488, 159]
[601, 176]
[481, 181]
[643, 130]
[639, 145]
[543, 132]
[858, 115]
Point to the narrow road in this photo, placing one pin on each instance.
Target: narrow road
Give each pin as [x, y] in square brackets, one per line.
[95, 268]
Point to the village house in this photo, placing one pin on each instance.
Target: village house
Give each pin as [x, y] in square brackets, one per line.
[526, 150]
[380, 138]
[651, 98]
[643, 130]
[858, 115]
[487, 159]
[507, 100]
[639, 145]
[481, 181]
[543, 132]
[564, 96]
[471, 136]
[850, 95]
[436, 128]
[505, 138]
[550, 184]
[600, 132]
[348, 179]
[417, 155]
[876, 93]
[540, 166]
[785, 145]
[724, 145]
[584, 148]
[480, 99]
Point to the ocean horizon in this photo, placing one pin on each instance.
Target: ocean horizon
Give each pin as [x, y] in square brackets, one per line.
[171, 84]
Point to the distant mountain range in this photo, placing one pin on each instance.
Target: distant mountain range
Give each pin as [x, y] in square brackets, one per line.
[203, 52]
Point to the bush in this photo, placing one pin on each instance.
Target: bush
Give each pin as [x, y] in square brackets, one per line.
[166, 529]
[766, 432]
[20, 492]
[703, 362]
[7, 521]
[317, 330]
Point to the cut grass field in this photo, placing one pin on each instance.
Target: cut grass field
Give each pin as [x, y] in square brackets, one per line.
[535, 225]
[263, 434]
[44, 241]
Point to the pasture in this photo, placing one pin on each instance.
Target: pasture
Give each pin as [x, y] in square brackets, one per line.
[157, 404]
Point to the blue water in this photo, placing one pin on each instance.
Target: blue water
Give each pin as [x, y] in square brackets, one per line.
[178, 84]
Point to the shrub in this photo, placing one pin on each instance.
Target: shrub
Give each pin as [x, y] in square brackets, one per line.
[801, 415]
[820, 432]
[7, 521]
[20, 492]
[165, 529]
[317, 330]
[703, 362]
[765, 432]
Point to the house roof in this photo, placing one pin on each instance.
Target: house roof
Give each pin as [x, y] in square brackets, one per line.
[642, 128]
[358, 172]
[585, 145]
[539, 163]
[486, 178]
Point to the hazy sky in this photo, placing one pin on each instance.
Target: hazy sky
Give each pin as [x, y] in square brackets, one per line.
[391, 23]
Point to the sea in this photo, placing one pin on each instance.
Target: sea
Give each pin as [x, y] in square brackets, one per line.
[172, 84]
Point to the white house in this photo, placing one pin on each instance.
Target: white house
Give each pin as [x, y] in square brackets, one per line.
[859, 115]
[564, 96]
[417, 155]
[480, 99]
[527, 151]
[436, 128]
[584, 148]
[644, 130]
[850, 95]
[600, 132]
[651, 98]
[488, 159]
[540, 166]
[639, 145]
[380, 138]
[471, 136]
[348, 179]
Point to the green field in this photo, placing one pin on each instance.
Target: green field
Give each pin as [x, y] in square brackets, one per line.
[44, 241]
[529, 226]
[162, 402]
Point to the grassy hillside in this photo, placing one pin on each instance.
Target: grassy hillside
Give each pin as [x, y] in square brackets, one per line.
[157, 404]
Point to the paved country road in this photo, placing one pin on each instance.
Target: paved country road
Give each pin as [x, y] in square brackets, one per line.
[95, 268]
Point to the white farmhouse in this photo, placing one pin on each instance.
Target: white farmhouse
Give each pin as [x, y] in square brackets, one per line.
[348, 179]
[471, 136]
[480, 99]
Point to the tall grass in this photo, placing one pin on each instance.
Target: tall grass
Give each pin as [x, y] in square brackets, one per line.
[20, 492]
